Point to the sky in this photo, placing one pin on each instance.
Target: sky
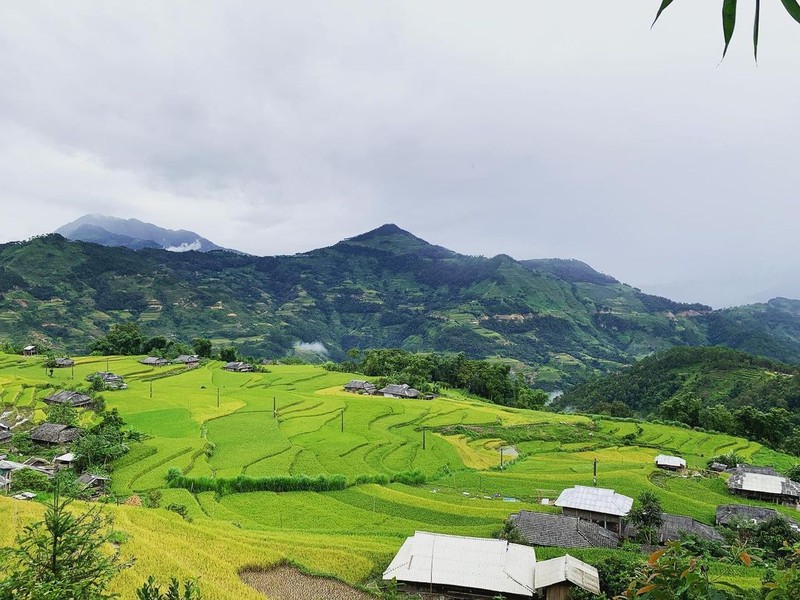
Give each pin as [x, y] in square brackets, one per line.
[536, 129]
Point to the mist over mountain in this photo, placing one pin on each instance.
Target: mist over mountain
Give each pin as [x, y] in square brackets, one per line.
[133, 234]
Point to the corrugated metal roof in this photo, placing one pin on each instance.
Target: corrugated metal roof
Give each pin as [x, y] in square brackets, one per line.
[477, 563]
[670, 461]
[567, 569]
[599, 500]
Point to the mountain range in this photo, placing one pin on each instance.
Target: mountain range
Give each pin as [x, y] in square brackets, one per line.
[560, 319]
[133, 234]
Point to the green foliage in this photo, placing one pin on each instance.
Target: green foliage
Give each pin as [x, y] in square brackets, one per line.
[63, 557]
[227, 354]
[103, 443]
[646, 516]
[27, 480]
[202, 347]
[122, 338]
[675, 574]
[150, 590]
[62, 413]
[729, 19]
[242, 484]
[181, 510]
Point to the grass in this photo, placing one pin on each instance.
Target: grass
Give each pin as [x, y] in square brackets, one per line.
[212, 424]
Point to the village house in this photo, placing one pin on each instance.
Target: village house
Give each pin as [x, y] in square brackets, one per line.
[394, 390]
[5, 436]
[95, 485]
[65, 461]
[190, 360]
[54, 434]
[238, 367]
[561, 531]
[357, 386]
[763, 483]
[110, 380]
[154, 361]
[728, 514]
[29, 351]
[69, 398]
[457, 566]
[63, 363]
[670, 463]
[673, 526]
[598, 505]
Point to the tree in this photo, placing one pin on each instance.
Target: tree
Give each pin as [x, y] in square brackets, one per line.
[63, 557]
[102, 444]
[646, 517]
[122, 338]
[152, 591]
[202, 347]
[729, 19]
[63, 414]
[227, 354]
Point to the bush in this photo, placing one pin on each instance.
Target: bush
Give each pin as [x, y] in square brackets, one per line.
[26, 480]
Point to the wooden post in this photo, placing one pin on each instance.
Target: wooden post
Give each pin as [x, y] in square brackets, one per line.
[423, 438]
[107, 369]
[501, 457]
[151, 389]
[217, 396]
[342, 420]
[595, 472]
[274, 408]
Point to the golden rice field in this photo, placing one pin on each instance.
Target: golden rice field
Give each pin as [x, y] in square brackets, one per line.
[210, 423]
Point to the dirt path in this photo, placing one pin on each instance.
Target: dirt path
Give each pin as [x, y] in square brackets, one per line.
[288, 583]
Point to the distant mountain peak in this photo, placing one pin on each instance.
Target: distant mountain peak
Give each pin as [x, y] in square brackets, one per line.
[134, 234]
[388, 229]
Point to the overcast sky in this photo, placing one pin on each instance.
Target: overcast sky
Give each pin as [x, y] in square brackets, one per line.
[532, 128]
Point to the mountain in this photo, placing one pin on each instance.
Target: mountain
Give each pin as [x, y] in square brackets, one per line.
[715, 388]
[385, 288]
[133, 234]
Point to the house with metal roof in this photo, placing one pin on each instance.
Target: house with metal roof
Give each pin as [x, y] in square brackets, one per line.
[95, 485]
[110, 381]
[763, 483]
[670, 463]
[63, 363]
[69, 398]
[29, 351]
[598, 505]
[54, 434]
[481, 568]
[394, 390]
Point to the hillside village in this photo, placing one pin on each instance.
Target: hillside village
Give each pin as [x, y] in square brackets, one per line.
[526, 507]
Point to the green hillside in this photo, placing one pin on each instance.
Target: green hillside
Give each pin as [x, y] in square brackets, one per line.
[714, 388]
[385, 288]
[351, 533]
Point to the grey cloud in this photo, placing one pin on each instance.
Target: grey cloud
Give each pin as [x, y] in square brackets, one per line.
[533, 129]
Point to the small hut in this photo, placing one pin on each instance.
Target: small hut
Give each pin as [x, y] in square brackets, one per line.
[54, 434]
[238, 367]
[394, 390]
[763, 483]
[670, 463]
[29, 351]
[561, 531]
[358, 386]
[598, 505]
[154, 361]
[69, 398]
[63, 363]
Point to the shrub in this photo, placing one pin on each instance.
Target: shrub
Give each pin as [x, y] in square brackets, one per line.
[29, 480]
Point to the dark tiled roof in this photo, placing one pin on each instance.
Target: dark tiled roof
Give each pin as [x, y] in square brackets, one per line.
[673, 525]
[545, 529]
[53, 433]
[4, 435]
[238, 366]
[755, 514]
[404, 390]
[88, 480]
[64, 362]
[69, 398]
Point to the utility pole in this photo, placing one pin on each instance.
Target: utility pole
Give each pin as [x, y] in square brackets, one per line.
[274, 408]
[423, 438]
[342, 420]
[217, 396]
[501, 458]
[151, 389]
[595, 472]
[107, 369]
[73, 371]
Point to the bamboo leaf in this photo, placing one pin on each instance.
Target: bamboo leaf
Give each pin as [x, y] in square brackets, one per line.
[756, 24]
[793, 8]
[662, 8]
[728, 22]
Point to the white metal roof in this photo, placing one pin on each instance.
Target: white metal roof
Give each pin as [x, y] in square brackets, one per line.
[670, 461]
[599, 500]
[567, 569]
[477, 563]
[68, 457]
[769, 484]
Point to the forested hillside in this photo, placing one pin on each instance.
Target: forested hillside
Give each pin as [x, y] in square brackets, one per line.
[712, 388]
[385, 288]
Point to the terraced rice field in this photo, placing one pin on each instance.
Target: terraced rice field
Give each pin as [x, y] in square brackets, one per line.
[208, 422]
